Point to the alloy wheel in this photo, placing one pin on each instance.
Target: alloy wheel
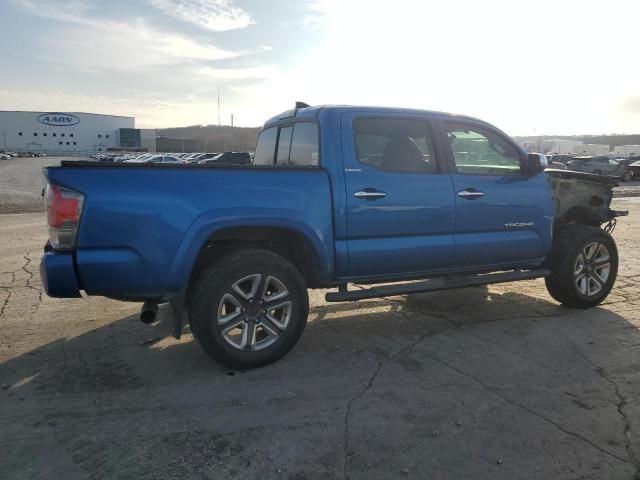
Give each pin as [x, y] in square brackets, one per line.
[592, 268]
[254, 312]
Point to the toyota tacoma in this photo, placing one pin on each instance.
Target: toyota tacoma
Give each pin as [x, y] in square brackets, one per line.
[399, 200]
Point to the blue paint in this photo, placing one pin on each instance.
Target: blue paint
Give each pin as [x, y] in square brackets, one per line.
[143, 227]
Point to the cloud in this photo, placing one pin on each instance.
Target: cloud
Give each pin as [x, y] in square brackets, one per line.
[87, 42]
[238, 73]
[629, 104]
[130, 67]
[74, 11]
[122, 47]
[214, 15]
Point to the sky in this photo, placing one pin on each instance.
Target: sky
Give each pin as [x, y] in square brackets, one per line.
[559, 67]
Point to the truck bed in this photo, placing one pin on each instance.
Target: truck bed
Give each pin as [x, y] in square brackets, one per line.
[143, 225]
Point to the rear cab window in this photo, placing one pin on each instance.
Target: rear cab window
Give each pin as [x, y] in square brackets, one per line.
[293, 144]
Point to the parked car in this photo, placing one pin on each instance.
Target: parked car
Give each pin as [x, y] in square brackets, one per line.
[435, 200]
[624, 161]
[555, 165]
[600, 165]
[194, 157]
[191, 157]
[163, 158]
[230, 158]
[201, 158]
[635, 169]
[563, 158]
[5, 156]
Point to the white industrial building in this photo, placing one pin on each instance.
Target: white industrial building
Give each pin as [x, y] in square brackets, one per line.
[593, 149]
[556, 146]
[559, 146]
[66, 132]
[626, 150]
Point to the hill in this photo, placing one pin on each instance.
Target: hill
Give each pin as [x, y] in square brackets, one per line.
[613, 140]
[208, 138]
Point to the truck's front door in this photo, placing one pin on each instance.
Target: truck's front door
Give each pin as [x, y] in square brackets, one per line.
[400, 203]
[504, 217]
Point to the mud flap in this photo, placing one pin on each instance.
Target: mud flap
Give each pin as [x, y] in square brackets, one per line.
[176, 316]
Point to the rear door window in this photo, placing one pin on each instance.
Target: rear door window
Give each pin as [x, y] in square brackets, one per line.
[394, 145]
[284, 145]
[266, 147]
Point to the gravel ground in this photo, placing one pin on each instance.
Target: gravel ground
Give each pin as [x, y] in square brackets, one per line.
[22, 181]
[21, 184]
[495, 383]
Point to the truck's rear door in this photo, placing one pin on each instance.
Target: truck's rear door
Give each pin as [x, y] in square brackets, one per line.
[400, 203]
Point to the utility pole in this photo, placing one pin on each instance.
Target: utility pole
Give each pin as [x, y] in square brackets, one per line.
[232, 139]
[218, 106]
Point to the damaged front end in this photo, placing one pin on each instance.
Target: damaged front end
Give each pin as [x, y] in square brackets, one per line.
[583, 198]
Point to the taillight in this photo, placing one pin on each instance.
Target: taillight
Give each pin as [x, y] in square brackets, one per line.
[64, 207]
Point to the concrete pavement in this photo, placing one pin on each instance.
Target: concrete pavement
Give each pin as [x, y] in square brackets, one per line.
[496, 382]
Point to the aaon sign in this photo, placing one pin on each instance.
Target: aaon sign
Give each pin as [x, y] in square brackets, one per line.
[58, 119]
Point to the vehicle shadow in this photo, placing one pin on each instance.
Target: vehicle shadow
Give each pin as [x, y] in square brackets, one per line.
[346, 325]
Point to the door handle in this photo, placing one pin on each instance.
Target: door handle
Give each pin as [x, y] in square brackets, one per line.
[369, 194]
[470, 194]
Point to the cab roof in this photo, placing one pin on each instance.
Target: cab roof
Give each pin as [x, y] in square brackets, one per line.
[315, 111]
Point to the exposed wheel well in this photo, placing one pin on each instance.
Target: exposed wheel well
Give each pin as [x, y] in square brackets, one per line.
[579, 215]
[288, 243]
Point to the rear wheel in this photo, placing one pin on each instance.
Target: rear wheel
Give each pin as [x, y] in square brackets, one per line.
[249, 308]
[627, 176]
[584, 266]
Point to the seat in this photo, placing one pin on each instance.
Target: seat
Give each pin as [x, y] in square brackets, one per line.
[402, 155]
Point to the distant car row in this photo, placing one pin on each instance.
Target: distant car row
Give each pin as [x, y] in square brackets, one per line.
[9, 155]
[229, 158]
[625, 169]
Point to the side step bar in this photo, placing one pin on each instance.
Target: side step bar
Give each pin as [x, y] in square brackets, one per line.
[432, 285]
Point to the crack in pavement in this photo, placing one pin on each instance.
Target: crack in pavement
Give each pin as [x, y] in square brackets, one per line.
[12, 285]
[6, 302]
[632, 460]
[26, 270]
[620, 405]
[31, 274]
[374, 375]
[9, 292]
[367, 387]
[528, 409]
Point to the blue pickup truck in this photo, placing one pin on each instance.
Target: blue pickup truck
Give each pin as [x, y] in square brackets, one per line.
[399, 200]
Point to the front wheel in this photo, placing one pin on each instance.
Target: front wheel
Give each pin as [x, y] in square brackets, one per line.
[249, 308]
[584, 266]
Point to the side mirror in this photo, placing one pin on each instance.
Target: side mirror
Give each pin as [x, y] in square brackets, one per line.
[537, 162]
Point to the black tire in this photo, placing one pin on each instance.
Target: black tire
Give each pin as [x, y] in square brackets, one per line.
[564, 284]
[627, 176]
[214, 288]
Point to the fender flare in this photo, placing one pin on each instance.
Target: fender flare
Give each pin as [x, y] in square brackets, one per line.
[212, 221]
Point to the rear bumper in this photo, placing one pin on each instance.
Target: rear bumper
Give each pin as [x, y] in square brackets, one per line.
[58, 274]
